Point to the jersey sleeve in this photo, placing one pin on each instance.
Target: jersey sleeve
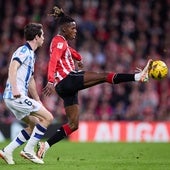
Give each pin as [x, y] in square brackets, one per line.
[57, 48]
[75, 54]
[20, 54]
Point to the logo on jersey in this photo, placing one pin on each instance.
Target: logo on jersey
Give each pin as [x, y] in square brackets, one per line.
[60, 45]
[21, 54]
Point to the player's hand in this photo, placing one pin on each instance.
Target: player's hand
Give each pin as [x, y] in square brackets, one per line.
[80, 64]
[16, 93]
[48, 89]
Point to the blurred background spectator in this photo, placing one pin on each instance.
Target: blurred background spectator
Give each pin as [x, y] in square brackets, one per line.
[113, 35]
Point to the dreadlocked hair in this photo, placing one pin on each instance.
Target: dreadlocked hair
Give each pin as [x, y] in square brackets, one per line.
[60, 16]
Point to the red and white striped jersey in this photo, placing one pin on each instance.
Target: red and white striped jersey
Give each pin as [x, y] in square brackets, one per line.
[61, 59]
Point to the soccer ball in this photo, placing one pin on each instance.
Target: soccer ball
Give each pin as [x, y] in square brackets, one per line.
[158, 70]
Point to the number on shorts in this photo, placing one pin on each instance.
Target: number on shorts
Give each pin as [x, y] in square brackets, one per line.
[28, 102]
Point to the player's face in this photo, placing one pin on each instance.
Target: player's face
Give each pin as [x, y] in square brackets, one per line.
[70, 31]
[40, 39]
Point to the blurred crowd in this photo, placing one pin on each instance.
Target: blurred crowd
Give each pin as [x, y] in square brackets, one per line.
[113, 35]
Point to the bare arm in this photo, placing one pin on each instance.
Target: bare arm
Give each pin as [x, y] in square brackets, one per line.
[12, 78]
[33, 90]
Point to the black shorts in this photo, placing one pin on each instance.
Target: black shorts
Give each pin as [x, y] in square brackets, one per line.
[68, 88]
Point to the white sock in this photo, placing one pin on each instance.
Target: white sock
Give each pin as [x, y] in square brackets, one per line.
[20, 139]
[37, 134]
[137, 76]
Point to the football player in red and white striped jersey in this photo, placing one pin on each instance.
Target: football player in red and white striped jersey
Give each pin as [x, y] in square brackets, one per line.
[67, 81]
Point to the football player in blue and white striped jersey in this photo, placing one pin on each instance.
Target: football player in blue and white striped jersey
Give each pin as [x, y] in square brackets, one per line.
[20, 82]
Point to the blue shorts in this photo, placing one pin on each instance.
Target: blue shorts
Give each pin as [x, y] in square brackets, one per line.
[68, 88]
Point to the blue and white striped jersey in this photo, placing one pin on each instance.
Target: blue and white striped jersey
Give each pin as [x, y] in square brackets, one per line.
[26, 57]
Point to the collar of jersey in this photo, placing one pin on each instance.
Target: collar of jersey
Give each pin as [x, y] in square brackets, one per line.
[28, 46]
